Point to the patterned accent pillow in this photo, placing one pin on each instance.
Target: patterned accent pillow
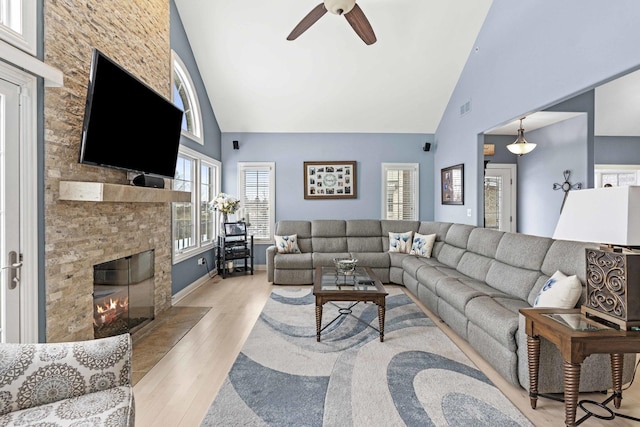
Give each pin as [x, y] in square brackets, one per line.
[400, 242]
[559, 291]
[287, 244]
[423, 244]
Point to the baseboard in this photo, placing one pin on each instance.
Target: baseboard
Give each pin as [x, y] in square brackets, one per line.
[192, 287]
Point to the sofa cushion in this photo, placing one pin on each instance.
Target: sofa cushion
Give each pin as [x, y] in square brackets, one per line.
[400, 242]
[474, 265]
[300, 228]
[568, 257]
[423, 244]
[325, 259]
[294, 261]
[458, 235]
[450, 255]
[287, 244]
[559, 291]
[498, 317]
[512, 280]
[523, 250]
[456, 293]
[440, 229]
[372, 259]
[484, 241]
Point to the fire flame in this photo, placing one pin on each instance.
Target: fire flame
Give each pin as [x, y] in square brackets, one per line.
[109, 311]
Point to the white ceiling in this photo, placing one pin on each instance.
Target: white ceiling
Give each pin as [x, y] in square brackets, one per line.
[328, 80]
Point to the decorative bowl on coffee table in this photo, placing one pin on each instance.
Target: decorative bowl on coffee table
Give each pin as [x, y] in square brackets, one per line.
[345, 266]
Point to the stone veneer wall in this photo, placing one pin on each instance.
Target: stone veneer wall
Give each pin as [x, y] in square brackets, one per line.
[78, 235]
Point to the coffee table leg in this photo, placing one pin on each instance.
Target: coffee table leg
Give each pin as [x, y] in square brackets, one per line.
[616, 373]
[571, 389]
[318, 321]
[381, 310]
[533, 353]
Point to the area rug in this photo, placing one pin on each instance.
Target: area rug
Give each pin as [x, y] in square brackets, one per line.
[416, 377]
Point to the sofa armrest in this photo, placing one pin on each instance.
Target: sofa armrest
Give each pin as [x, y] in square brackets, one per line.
[38, 374]
[271, 255]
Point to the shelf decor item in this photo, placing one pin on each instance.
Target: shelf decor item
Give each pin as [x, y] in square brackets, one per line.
[608, 216]
[452, 185]
[226, 205]
[330, 180]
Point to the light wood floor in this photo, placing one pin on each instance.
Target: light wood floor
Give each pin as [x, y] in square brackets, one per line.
[178, 390]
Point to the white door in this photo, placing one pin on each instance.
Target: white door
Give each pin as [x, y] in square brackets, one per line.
[500, 197]
[10, 254]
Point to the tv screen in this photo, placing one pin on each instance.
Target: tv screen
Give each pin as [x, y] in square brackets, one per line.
[128, 125]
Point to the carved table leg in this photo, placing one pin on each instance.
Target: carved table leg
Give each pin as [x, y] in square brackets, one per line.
[318, 321]
[533, 353]
[616, 373]
[571, 390]
[381, 310]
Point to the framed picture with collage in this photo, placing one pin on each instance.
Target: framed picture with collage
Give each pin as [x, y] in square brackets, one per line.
[330, 180]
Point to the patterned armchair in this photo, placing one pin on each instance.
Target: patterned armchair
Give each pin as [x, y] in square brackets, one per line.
[60, 384]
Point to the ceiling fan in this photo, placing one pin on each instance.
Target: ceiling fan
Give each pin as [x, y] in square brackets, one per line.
[348, 8]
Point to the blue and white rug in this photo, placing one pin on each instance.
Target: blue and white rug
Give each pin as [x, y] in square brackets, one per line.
[416, 377]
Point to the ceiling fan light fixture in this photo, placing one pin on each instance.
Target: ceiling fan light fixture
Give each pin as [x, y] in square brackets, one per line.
[339, 7]
[520, 146]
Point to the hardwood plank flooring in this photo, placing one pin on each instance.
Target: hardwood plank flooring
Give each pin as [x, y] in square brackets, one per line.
[178, 390]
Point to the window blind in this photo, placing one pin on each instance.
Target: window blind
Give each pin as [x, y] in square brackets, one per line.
[400, 191]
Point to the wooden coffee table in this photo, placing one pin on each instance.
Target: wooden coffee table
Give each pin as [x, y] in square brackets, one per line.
[362, 286]
[576, 337]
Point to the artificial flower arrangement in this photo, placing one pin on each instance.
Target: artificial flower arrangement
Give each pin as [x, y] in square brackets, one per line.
[225, 203]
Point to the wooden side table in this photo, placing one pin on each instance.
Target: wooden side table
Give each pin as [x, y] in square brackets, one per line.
[577, 337]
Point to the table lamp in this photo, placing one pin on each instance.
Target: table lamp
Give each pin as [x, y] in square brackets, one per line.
[611, 217]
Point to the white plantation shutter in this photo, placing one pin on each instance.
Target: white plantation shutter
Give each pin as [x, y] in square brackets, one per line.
[257, 198]
[400, 182]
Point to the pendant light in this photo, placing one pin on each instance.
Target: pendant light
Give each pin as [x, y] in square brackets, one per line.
[520, 146]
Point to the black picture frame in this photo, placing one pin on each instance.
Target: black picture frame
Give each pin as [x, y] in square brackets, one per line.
[452, 185]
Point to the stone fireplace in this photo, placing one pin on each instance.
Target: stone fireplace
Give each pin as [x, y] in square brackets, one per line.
[123, 294]
[81, 234]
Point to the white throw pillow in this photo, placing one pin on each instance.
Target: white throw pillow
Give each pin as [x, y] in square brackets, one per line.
[423, 244]
[559, 291]
[287, 244]
[400, 242]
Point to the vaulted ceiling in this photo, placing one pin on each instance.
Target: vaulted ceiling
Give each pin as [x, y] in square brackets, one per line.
[328, 80]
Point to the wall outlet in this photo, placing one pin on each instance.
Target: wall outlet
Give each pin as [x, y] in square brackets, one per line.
[200, 261]
[469, 213]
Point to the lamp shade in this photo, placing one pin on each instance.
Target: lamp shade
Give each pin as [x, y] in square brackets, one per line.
[520, 146]
[601, 215]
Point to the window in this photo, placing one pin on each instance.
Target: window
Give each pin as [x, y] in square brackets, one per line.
[616, 175]
[400, 191]
[184, 96]
[256, 187]
[18, 24]
[193, 222]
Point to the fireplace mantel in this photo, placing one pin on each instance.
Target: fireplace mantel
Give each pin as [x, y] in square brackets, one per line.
[104, 192]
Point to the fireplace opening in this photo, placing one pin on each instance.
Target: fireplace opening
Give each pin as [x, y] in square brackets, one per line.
[123, 294]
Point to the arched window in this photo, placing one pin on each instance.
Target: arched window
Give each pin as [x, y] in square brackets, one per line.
[184, 96]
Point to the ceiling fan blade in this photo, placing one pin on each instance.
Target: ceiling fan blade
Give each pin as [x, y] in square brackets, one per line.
[361, 25]
[317, 13]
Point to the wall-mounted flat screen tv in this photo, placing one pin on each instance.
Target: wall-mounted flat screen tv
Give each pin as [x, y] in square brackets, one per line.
[128, 125]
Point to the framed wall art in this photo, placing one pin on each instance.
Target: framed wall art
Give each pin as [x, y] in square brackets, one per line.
[452, 190]
[330, 180]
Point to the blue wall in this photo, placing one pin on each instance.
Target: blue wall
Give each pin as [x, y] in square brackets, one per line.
[561, 146]
[557, 49]
[186, 272]
[290, 150]
[617, 150]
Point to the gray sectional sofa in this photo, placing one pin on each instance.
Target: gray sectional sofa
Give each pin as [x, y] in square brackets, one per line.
[476, 281]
